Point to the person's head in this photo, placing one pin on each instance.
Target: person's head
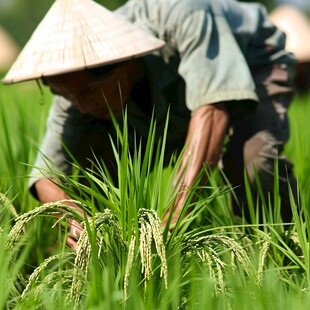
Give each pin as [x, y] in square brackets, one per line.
[97, 91]
[76, 35]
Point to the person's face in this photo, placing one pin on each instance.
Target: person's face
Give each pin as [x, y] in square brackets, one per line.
[93, 94]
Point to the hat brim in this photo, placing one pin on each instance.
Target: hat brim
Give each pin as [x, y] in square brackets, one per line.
[79, 34]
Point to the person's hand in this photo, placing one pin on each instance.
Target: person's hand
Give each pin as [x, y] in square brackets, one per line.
[74, 233]
[48, 191]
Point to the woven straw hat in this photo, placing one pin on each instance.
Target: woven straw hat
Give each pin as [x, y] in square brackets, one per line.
[79, 34]
[296, 25]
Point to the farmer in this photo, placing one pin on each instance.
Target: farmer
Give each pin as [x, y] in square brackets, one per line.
[218, 66]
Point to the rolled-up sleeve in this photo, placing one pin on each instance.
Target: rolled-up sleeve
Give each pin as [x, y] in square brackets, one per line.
[63, 128]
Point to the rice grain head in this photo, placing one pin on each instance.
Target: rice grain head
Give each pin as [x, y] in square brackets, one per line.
[205, 248]
[36, 273]
[58, 209]
[52, 284]
[102, 222]
[80, 269]
[5, 202]
[129, 264]
[150, 231]
[262, 256]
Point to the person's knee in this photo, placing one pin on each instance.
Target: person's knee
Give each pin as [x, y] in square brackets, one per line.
[261, 153]
[264, 162]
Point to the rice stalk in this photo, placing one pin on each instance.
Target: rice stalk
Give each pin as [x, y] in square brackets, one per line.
[56, 209]
[237, 249]
[129, 264]
[66, 279]
[205, 248]
[220, 288]
[294, 237]
[150, 230]
[209, 256]
[103, 222]
[145, 248]
[106, 224]
[7, 203]
[262, 256]
[80, 267]
[232, 245]
[206, 257]
[54, 285]
[36, 273]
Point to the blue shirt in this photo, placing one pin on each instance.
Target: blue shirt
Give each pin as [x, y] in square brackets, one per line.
[211, 44]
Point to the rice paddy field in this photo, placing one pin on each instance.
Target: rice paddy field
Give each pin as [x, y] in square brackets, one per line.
[125, 260]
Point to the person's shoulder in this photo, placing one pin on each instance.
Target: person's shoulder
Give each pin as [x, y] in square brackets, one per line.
[163, 13]
[185, 6]
[180, 10]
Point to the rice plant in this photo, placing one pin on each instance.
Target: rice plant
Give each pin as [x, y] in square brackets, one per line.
[125, 259]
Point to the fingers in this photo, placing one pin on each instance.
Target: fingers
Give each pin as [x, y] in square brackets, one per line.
[72, 243]
[75, 230]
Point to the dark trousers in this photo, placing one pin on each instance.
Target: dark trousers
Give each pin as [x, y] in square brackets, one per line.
[257, 140]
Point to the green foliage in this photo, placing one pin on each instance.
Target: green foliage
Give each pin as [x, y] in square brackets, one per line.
[298, 147]
[23, 118]
[124, 259]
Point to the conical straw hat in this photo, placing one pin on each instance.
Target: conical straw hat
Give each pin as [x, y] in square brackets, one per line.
[78, 34]
[296, 25]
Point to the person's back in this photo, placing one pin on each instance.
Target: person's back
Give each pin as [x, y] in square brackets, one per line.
[259, 40]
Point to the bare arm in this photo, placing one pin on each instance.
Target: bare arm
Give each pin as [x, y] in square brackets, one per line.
[204, 142]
